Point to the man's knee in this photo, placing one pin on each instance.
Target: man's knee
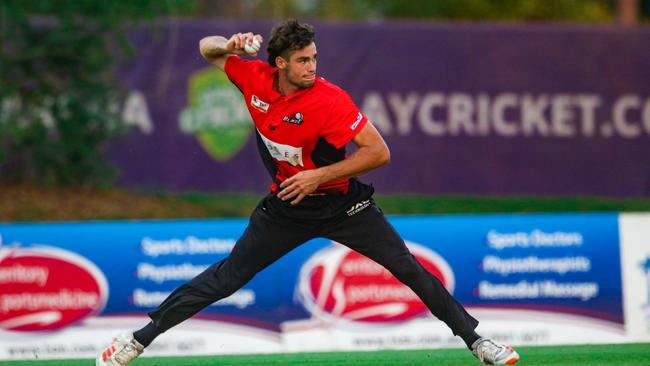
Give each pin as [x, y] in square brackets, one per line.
[405, 268]
[221, 279]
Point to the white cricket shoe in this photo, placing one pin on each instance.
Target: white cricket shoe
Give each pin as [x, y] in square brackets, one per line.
[492, 353]
[120, 352]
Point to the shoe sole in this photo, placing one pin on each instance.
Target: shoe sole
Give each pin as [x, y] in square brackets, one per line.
[514, 357]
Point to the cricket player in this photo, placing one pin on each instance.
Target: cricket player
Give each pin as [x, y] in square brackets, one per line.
[303, 123]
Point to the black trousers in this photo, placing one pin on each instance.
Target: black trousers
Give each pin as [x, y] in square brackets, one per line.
[275, 229]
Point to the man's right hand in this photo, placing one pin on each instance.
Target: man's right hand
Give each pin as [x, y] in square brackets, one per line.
[217, 49]
[235, 44]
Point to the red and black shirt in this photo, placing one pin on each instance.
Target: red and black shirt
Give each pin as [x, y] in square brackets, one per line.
[304, 130]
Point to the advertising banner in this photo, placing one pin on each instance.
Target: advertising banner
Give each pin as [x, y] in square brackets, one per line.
[635, 260]
[473, 109]
[66, 288]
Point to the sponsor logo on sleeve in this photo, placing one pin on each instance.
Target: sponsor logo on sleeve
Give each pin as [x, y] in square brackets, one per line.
[259, 104]
[357, 121]
[337, 284]
[282, 152]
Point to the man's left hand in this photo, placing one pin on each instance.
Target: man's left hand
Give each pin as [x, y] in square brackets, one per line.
[300, 185]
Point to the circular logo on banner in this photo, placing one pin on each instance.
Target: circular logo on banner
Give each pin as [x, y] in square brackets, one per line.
[339, 283]
[45, 288]
[216, 114]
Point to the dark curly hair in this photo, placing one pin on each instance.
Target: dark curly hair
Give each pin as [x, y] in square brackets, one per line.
[289, 36]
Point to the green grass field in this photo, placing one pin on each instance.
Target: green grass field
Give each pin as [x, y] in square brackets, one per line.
[587, 355]
[25, 203]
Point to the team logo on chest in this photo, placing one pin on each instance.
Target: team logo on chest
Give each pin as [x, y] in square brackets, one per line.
[259, 104]
[295, 118]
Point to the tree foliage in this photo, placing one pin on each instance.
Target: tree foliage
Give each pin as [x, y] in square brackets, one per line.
[504, 10]
[58, 97]
[470, 10]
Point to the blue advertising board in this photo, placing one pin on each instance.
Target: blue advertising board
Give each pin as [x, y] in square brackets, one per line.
[56, 276]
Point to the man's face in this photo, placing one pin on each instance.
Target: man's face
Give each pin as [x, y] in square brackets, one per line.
[300, 69]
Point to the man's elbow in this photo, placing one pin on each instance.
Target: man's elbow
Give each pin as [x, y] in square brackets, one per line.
[384, 157]
[203, 46]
